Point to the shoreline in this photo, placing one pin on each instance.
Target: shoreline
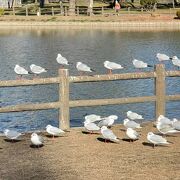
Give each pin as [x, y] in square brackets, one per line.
[122, 22]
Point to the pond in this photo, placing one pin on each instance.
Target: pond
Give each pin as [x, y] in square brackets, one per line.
[92, 47]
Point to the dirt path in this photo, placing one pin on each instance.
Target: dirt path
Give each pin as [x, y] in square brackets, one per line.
[80, 156]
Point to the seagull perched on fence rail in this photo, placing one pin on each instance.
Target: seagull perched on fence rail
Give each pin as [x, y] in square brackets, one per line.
[140, 64]
[37, 69]
[83, 67]
[162, 57]
[20, 70]
[112, 66]
[62, 60]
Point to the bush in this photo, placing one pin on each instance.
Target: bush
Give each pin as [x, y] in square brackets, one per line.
[178, 14]
[148, 4]
[1, 11]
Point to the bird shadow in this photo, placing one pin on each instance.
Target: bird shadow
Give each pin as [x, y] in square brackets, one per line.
[86, 132]
[167, 135]
[123, 130]
[105, 141]
[12, 141]
[128, 140]
[36, 147]
[151, 145]
[51, 137]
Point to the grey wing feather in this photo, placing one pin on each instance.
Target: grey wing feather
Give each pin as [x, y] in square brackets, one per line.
[157, 139]
[41, 139]
[109, 134]
[132, 124]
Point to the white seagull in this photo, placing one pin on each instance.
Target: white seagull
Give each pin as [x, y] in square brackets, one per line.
[108, 121]
[37, 140]
[140, 64]
[37, 69]
[83, 67]
[92, 118]
[176, 61]
[163, 120]
[112, 66]
[166, 128]
[54, 131]
[20, 70]
[162, 57]
[131, 124]
[108, 134]
[133, 116]
[132, 134]
[176, 124]
[62, 60]
[11, 134]
[91, 126]
[156, 139]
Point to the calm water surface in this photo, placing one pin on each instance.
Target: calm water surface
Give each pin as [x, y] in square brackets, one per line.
[92, 47]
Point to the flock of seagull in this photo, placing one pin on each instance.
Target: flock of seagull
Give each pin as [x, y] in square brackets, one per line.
[81, 67]
[94, 123]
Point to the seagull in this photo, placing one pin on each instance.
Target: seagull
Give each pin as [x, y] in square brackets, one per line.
[83, 67]
[166, 128]
[163, 120]
[132, 115]
[91, 126]
[131, 124]
[37, 140]
[11, 134]
[112, 66]
[92, 118]
[62, 60]
[54, 130]
[162, 57]
[132, 134]
[140, 64]
[37, 69]
[108, 121]
[176, 61]
[156, 139]
[176, 124]
[108, 134]
[20, 70]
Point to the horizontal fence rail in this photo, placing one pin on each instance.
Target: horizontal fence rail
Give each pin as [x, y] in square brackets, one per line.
[64, 104]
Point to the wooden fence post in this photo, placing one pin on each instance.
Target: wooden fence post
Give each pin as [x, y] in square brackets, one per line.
[102, 11]
[77, 11]
[14, 13]
[26, 11]
[64, 99]
[65, 11]
[160, 86]
[52, 11]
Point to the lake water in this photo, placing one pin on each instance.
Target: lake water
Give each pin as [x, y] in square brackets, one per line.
[92, 47]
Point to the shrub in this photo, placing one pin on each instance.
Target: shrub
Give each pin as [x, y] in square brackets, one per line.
[148, 4]
[178, 14]
[1, 11]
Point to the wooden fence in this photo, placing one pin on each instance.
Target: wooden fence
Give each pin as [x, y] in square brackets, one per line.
[64, 104]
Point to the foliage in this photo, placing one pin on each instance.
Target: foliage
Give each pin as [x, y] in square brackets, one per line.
[1, 11]
[178, 14]
[148, 4]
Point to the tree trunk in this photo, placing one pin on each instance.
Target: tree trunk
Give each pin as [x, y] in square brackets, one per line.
[90, 7]
[72, 6]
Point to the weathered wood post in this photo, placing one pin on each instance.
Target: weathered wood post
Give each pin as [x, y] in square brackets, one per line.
[14, 13]
[102, 11]
[77, 11]
[160, 86]
[65, 11]
[52, 11]
[26, 11]
[64, 99]
[39, 11]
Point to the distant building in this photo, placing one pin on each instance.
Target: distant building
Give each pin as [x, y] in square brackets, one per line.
[9, 3]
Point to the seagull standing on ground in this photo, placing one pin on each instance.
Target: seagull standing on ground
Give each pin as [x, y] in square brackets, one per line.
[132, 134]
[83, 67]
[37, 140]
[133, 116]
[162, 57]
[11, 134]
[156, 139]
[176, 124]
[108, 134]
[91, 126]
[37, 69]
[112, 66]
[108, 121]
[20, 70]
[62, 60]
[131, 124]
[54, 131]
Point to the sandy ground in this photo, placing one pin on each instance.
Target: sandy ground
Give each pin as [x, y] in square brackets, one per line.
[80, 156]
